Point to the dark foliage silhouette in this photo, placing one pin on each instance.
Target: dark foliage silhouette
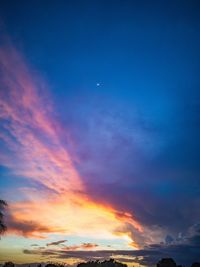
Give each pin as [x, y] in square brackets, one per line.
[196, 264]
[54, 264]
[3, 204]
[51, 265]
[9, 264]
[169, 262]
[166, 262]
[106, 263]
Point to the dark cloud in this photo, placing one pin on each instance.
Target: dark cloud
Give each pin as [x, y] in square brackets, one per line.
[26, 228]
[55, 243]
[169, 239]
[184, 252]
[142, 156]
[194, 235]
[165, 204]
[128, 229]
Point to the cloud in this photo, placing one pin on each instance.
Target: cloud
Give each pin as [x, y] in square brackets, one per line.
[184, 253]
[89, 245]
[55, 243]
[28, 228]
[33, 148]
[32, 133]
[169, 239]
[142, 160]
[84, 246]
[138, 241]
[116, 172]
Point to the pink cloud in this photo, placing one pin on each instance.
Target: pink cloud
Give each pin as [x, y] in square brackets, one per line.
[28, 120]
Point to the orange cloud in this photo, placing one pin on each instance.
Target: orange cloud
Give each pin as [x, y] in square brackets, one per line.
[89, 245]
[83, 246]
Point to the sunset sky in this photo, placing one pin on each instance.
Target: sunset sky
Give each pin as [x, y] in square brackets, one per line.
[99, 130]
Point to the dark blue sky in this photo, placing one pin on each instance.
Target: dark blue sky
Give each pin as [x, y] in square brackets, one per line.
[136, 134]
[129, 46]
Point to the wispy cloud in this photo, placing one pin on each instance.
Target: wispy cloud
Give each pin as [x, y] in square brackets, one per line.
[31, 132]
[34, 150]
[56, 243]
[85, 246]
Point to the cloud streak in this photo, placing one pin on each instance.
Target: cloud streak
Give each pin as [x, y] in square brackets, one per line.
[56, 243]
[183, 251]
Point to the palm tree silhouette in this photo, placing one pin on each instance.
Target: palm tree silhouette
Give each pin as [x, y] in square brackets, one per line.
[3, 228]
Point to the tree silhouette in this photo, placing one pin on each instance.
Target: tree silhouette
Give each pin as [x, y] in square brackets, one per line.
[196, 264]
[106, 263]
[166, 262]
[3, 204]
[9, 264]
[54, 264]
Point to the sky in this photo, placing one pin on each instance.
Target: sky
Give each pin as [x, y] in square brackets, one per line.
[99, 130]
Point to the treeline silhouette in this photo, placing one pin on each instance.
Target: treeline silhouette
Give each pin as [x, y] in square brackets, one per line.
[106, 263]
[166, 262]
